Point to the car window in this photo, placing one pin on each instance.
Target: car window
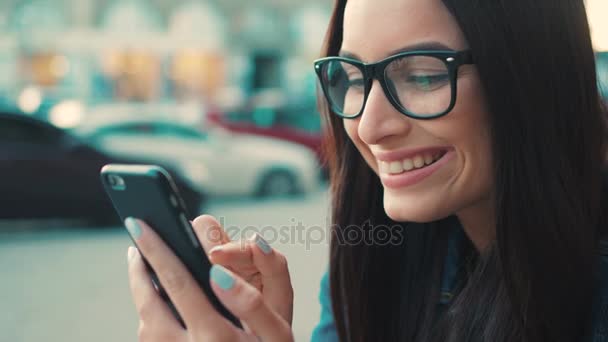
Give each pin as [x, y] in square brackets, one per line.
[27, 132]
[179, 131]
[305, 118]
[238, 116]
[131, 128]
[151, 129]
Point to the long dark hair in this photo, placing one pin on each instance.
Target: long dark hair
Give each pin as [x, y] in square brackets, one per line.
[548, 128]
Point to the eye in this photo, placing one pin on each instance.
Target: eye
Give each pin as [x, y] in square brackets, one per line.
[427, 82]
[354, 77]
[356, 82]
[418, 73]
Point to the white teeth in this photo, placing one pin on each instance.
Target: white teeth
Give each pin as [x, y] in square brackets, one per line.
[395, 167]
[383, 166]
[428, 159]
[408, 164]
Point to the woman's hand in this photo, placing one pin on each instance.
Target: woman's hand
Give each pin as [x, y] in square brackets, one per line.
[254, 261]
[257, 311]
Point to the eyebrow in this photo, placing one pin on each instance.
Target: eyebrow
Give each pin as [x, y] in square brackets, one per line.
[433, 45]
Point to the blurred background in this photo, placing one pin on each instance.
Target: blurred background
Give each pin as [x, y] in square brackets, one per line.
[220, 93]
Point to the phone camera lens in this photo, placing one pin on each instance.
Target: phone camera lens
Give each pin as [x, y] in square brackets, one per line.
[116, 182]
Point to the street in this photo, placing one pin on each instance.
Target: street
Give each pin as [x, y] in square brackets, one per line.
[70, 285]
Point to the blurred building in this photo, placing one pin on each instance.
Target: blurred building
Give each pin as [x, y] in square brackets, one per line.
[149, 50]
[58, 54]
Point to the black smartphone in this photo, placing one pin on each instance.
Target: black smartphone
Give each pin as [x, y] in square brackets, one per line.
[147, 192]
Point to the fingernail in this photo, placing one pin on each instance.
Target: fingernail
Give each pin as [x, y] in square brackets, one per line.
[262, 244]
[215, 249]
[133, 227]
[131, 253]
[221, 277]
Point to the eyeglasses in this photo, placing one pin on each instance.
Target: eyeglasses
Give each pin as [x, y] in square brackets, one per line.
[419, 84]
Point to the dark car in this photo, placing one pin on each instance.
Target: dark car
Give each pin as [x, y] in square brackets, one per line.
[47, 173]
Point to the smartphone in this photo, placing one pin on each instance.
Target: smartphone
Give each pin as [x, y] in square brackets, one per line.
[147, 192]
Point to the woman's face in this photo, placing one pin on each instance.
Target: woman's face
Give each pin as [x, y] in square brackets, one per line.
[389, 141]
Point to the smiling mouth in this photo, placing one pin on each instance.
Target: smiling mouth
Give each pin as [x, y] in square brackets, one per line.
[410, 164]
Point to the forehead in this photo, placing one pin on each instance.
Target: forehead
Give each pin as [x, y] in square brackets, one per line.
[374, 28]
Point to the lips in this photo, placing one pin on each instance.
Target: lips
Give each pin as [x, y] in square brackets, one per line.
[397, 173]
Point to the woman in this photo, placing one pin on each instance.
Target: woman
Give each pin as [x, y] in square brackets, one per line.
[473, 128]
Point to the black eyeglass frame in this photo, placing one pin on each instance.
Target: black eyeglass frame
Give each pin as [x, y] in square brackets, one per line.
[371, 71]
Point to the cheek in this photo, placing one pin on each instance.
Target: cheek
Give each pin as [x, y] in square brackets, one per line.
[351, 127]
[474, 132]
[471, 135]
[468, 180]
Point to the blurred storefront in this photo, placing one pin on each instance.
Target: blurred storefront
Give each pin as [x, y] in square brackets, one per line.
[198, 35]
[131, 50]
[48, 70]
[208, 53]
[9, 59]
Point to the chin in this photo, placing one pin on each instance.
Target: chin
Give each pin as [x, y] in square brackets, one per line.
[397, 209]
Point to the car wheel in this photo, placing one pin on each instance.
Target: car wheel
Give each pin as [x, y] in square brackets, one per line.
[278, 183]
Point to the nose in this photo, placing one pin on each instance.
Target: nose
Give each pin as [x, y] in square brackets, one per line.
[380, 120]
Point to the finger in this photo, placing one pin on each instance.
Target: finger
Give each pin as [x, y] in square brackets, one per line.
[177, 281]
[209, 232]
[247, 303]
[272, 265]
[150, 307]
[234, 255]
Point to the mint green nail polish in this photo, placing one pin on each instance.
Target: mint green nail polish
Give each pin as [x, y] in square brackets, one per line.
[264, 246]
[222, 278]
[133, 227]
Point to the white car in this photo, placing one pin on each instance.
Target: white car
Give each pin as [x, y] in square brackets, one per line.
[217, 162]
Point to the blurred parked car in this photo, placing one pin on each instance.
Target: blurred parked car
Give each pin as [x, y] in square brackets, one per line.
[298, 124]
[48, 173]
[220, 162]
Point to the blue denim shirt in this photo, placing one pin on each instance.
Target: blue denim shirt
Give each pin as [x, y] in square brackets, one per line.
[325, 331]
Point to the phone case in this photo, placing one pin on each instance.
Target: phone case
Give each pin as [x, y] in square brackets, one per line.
[148, 193]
